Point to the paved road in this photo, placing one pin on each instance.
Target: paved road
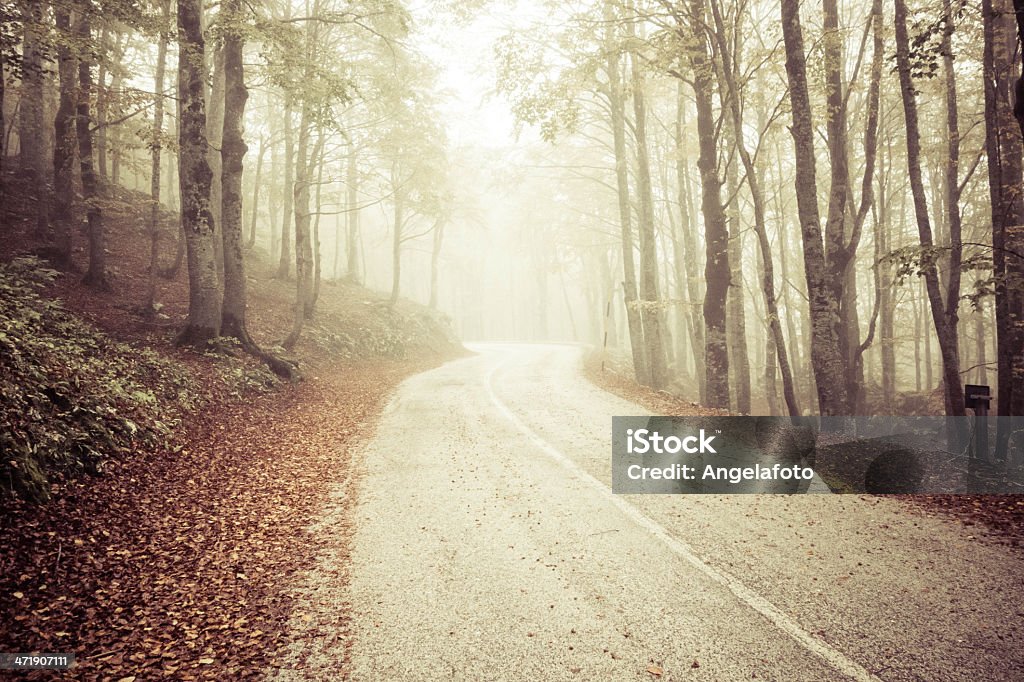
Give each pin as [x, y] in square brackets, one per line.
[488, 546]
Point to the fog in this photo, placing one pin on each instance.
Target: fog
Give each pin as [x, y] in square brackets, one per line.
[758, 219]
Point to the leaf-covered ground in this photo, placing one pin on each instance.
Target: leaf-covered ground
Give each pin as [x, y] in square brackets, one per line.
[179, 565]
[176, 561]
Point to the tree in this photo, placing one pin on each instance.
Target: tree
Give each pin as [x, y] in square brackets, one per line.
[716, 232]
[824, 288]
[1006, 192]
[64, 141]
[652, 315]
[195, 177]
[30, 124]
[638, 345]
[944, 318]
[156, 148]
[96, 275]
[760, 227]
[232, 152]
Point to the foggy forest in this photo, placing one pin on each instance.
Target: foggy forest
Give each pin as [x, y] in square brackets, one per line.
[253, 251]
[777, 213]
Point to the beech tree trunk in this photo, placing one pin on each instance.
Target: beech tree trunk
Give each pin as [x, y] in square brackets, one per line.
[352, 218]
[284, 267]
[945, 320]
[739, 356]
[30, 121]
[194, 179]
[96, 275]
[303, 243]
[887, 307]
[171, 271]
[618, 123]
[435, 261]
[777, 344]
[256, 195]
[396, 243]
[716, 232]
[689, 269]
[3, 129]
[214, 134]
[231, 158]
[156, 146]
[1006, 190]
[824, 288]
[315, 295]
[652, 315]
[64, 143]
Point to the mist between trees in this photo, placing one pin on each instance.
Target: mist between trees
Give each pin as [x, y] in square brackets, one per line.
[769, 207]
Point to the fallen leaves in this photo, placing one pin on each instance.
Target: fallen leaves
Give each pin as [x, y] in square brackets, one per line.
[180, 564]
[1001, 515]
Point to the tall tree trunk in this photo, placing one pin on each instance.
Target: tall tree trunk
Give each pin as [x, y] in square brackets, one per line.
[1018, 100]
[435, 260]
[777, 342]
[736, 333]
[284, 267]
[1006, 191]
[102, 104]
[105, 94]
[96, 275]
[3, 128]
[352, 218]
[156, 146]
[233, 150]
[64, 142]
[952, 191]
[30, 121]
[944, 320]
[824, 288]
[690, 258]
[684, 339]
[716, 233]
[315, 295]
[887, 311]
[230, 159]
[616, 101]
[274, 191]
[338, 234]
[396, 244]
[171, 271]
[303, 244]
[256, 194]
[214, 134]
[194, 179]
[652, 316]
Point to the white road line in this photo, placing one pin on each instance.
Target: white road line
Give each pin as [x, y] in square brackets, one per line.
[831, 655]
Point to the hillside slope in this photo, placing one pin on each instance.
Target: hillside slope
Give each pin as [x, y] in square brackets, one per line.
[88, 376]
[156, 500]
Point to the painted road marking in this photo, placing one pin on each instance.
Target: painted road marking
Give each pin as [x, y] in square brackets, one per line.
[831, 655]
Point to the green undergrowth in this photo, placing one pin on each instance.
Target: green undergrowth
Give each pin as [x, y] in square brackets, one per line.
[383, 331]
[71, 397]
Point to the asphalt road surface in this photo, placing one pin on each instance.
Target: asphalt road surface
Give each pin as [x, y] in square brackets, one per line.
[488, 546]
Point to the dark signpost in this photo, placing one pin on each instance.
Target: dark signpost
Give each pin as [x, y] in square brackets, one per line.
[977, 398]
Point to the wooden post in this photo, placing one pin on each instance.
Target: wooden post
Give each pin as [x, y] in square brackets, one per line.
[977, 398]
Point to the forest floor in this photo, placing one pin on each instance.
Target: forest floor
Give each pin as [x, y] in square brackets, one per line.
[177, 561]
